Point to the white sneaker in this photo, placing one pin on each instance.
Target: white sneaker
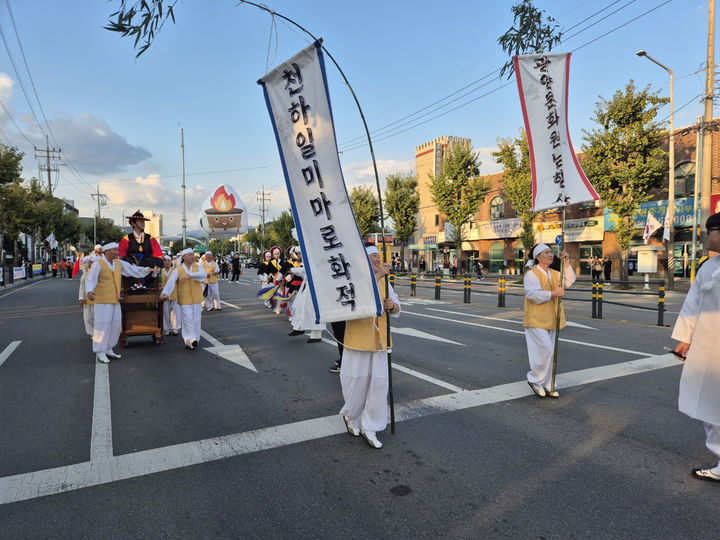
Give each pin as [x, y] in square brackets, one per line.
[352, 430]
[102, 358]
[371, 439]
[113, 355]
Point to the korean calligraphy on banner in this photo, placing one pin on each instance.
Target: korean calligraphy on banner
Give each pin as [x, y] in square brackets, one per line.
[557, 178]
[339, 274]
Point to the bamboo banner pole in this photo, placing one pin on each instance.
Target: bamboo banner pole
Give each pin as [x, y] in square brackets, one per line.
[559, 303]
[379, 192]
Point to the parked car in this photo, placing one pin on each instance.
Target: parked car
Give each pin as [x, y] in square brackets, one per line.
[252, 263]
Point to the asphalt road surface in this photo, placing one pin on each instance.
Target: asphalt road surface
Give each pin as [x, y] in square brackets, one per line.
[241, 438]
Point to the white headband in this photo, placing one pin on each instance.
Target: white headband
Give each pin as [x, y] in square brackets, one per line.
[539, 249]
[185, 251]
[208, 253]
[371, 249]
[109, 245]
[168, 257]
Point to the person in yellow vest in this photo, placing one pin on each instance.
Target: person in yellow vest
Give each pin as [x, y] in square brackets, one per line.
[542, 293]
[364, 371]
[102, 287]
[212, 300]
[88, 310]
[171, 309]
[188, 277]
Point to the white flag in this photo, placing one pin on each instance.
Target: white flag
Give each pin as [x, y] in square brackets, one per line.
[339, 274]
[51, 240]
[666, 230]
[651, 225]
[557, 178]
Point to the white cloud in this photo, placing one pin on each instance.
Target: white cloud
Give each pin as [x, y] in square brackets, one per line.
[488, 165]
[6, 90]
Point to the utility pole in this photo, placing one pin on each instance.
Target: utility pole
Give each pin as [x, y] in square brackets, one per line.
[101, 201]
[706, 134]
[47, 154]
[261, 198]
[182, 158]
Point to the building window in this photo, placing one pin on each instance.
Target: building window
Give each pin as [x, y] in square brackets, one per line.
[437, 220]
[685, 178]
[497, 208]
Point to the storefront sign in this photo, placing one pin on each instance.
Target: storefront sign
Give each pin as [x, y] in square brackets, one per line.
[429, 240]
[576, 230]
[683, 213]
[498, 228]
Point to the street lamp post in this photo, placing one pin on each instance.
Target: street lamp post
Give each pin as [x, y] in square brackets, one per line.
[670, 215]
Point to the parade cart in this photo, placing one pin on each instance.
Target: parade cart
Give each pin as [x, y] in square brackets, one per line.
[142, 315]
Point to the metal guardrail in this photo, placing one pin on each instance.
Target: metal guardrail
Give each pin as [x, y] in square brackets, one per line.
[596, 290]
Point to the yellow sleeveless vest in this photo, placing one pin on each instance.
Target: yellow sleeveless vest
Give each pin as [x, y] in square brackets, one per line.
[107, 290]
[188, 292]
[544, 315]
[163, 280]
[210, 269]
[368, 334]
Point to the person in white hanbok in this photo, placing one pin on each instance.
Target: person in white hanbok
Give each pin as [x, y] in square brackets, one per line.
[171, 309]
[188, 277]
[102, 287]
[88, 309]
[696, 329]
[542, 293]
[303, 313]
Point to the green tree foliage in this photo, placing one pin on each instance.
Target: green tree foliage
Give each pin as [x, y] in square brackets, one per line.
[457, 191]
[529, 34]
[402, 202]
[221, 246]
[106, 231]
[10, 170]
[366, 208]
[257, 240]
[623, 159]
[280, 231]
[514, 156]
[141, 20]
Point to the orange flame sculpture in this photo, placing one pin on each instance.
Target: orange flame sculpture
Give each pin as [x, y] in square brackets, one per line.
[221, 200]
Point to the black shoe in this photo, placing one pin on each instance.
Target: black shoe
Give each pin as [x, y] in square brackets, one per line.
[335, 368]
[311, 340]
[194, 344]
[296, 333]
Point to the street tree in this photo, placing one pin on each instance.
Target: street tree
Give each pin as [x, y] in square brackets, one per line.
[457, 191]
[402, 202]
[514, 156]
[10, 171]
[623, 158]
[280, 231]
[529, 34]
[105, 230]
[366, 208]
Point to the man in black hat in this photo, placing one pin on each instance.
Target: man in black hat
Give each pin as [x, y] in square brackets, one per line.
[138, 247]
[696, 330]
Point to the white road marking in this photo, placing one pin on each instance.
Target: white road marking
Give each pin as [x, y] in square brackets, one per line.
[595, 345]
[20, 289]
[101, 446]
[427, 378]
[8, 351]
[423, 335]
[234, 353]
[516, 321]
[229, 304]
[35, 484]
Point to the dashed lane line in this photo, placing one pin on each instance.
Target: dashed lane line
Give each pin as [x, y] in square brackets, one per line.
[8, 351]
[25, 486]
[101, 445]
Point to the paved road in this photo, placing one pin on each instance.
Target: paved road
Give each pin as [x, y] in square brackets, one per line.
[241, 438]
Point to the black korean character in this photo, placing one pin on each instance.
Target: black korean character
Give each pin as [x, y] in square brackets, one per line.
[555, 139]
[330, 238]
[347, 296]
[557, 158]
[562, 199]
[299, 109]
[293, 77]
[559, 178]
[308, 150]
[310, 177]
[542, 63]
[546, 81]
[550, 102]
[320, 204]
[339, 266]
[552, 118]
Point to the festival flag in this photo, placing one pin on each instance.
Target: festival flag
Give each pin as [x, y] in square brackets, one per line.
[666, 230]
[76, 268]
[51, 240]
[651, 225]
[557, 177]
[339, 275]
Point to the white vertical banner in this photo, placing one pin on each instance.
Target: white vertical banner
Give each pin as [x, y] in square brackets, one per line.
[557, 178]
[339, 274]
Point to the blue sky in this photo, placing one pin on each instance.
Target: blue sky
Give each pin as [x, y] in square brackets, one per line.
[117, 119]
